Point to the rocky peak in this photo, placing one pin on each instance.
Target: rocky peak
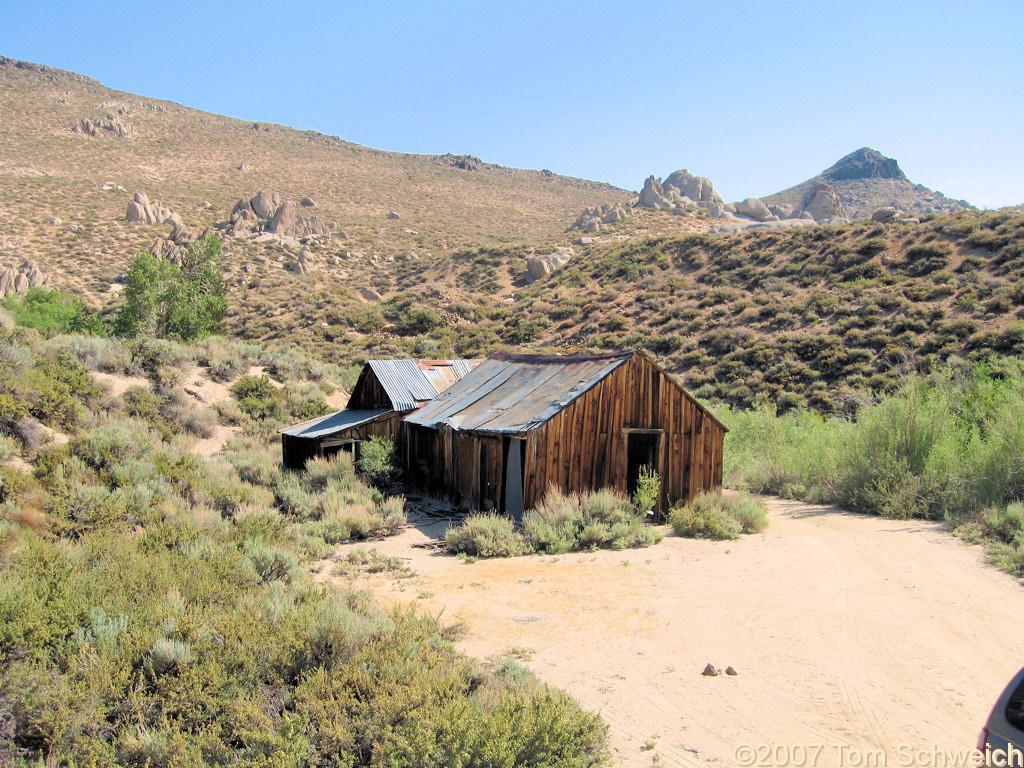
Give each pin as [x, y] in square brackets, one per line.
[865, 163]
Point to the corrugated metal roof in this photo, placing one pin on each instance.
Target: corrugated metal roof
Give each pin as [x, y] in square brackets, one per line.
[410, 383]
[515, 393]
[332, 422]
[403, 381]
[444, 373]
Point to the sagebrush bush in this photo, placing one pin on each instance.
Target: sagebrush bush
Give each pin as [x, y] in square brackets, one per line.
[9, 446]
[227, 359]
[486, 535]
[560, 523]
[716, 515]
[97, 353]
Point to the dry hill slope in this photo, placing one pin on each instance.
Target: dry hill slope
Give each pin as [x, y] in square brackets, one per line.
[64, 136]
[866, 180]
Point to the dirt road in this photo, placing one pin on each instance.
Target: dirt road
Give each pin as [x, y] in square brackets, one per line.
[858, 641]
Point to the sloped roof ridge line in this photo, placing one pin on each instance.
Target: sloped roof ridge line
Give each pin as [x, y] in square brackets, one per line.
[581, 358]
[451, 397]
[403, 381]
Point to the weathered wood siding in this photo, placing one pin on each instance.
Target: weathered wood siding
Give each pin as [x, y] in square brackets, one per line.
[296, 451]
[584, 445]
[466, 467]
[368, 394]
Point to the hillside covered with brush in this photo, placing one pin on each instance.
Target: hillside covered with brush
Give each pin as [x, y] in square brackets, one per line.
[431, 255]
[73, 153]
[799, 317]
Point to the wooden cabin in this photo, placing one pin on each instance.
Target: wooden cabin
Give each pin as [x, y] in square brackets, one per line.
[385, 391]
[518, 424]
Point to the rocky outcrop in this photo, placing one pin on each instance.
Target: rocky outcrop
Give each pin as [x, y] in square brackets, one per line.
[696, 188]
[19, 280]
[142, 211]
[753, 208]
[864, 181]
[822, 202]
[264, 203]
[864, 163]
[369, 294]
[286, 222]
[594, 217]
[540, 266]
[265, 212]
[113, 125]
[653, 195]
[462, 162]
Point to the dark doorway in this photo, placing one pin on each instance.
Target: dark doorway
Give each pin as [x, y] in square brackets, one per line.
[641, 450]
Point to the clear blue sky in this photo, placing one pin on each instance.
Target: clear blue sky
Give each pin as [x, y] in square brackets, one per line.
[758, 96]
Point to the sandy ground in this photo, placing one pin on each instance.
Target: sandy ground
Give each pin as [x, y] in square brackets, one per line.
[858, 641]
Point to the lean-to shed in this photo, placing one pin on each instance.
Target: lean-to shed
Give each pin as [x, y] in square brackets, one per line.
[518, 424]
[385, 391]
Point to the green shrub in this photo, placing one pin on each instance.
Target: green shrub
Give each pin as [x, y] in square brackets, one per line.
[184, 301]
[51, 312]
[715, 515]
[97, 353]
[1005, 523]
[378, 460]
[257, 396]
[648, 488]
[271, 563]
[227, 359]
[485, 535]
[560, 523]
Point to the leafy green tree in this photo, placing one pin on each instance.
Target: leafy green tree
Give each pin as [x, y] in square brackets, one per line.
[168, 300]
[53, 312]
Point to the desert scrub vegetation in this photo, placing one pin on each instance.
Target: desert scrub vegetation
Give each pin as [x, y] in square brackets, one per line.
[560, 523]
[167, 598]
[718, 515]
[261, 407]
[327, 498]
[796, 318]
[948, 446]
[55, 390]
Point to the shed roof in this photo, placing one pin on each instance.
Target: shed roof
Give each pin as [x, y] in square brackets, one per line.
[332, 422]
[516, 393]
[409, 383]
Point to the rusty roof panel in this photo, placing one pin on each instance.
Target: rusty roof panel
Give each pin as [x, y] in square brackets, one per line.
[516, 393]
[441, 374]
[409, 383]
